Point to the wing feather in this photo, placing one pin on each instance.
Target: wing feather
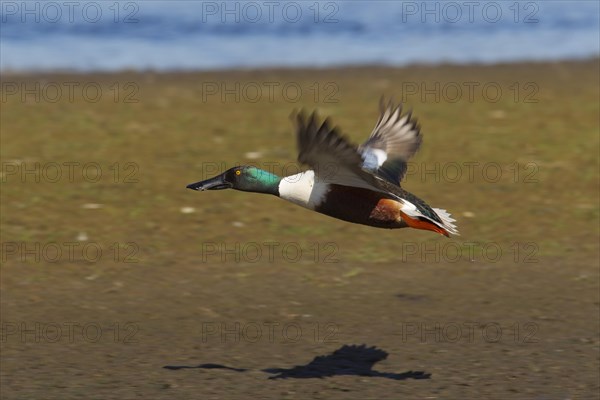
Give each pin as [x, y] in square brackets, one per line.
[335, 159]
[395, 138]
[332, 156]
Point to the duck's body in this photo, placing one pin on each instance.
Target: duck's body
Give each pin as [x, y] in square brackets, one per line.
[359, 185]
[354, 204]
[348, 203]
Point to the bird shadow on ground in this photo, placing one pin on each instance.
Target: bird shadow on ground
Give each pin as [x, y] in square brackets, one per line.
[347, 360]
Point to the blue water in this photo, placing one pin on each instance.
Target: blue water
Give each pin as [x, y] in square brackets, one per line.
[182, 35]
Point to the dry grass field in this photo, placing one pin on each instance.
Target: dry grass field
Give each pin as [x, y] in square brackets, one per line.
[117, 282]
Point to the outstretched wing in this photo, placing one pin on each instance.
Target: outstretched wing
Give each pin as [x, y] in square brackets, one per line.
[395, 138]
[333, 158]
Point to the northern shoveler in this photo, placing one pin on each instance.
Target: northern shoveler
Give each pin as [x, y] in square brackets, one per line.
[354, 184]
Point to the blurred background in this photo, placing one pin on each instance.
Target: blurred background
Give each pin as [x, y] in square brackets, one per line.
[118, 282]
[191, 35]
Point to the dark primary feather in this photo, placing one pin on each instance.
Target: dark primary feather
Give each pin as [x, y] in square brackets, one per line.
[398, 135]
[329, 154]
[316, 139]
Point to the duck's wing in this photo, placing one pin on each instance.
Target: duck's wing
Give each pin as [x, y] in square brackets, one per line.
[395, 138]
[332, 156]
[335, 160]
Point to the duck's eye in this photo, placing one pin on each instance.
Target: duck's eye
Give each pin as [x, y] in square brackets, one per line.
[238, 172]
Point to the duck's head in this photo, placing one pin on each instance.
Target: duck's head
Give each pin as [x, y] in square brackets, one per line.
[245, 178]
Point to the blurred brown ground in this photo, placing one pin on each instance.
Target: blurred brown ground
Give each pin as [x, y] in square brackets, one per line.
[507, 310]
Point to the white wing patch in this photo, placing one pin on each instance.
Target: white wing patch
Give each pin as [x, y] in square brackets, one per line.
[410, 209]
[373, 158]
[302, 189]
[394, 140]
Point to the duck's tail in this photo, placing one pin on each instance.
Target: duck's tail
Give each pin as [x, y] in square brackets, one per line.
[425, 217]
[447, 221]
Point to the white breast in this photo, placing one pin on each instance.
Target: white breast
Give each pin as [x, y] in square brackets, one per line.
[303, 189]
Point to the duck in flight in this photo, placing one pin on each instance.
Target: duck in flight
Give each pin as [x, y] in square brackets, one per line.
[355, 184]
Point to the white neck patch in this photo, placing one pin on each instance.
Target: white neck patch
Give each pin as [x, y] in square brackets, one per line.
[303, 189]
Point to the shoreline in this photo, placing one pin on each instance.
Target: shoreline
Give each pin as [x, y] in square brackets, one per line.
[301, 69]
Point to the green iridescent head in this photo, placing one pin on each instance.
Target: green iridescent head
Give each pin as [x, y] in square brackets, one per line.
[245, 178]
